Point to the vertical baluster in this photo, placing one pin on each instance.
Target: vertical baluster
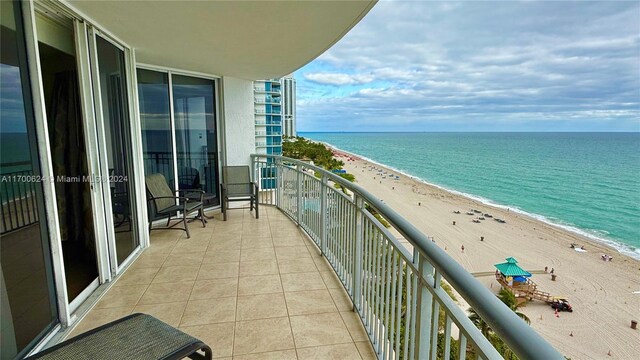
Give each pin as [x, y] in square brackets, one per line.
[436, 317]
[462, 347]
[415, 279]
[400, 282]
[298, 194]
[11, 200]
[357, 271]
[382, 279]
[447, 337]
[369, 275]
[387, 299]
[424, 309]
[408, 328]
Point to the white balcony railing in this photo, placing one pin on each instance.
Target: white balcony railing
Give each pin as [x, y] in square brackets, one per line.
[396, 293]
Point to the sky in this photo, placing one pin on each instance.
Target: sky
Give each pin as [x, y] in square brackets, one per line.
[479, 66]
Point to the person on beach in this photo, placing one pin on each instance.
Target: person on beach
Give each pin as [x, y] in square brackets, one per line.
[551, 271]
[462, 248]
[546, 268]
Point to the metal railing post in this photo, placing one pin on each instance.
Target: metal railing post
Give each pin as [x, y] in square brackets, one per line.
[424, 304]
[299, 194]
[279, 181]
[323, 214]
[357, 263]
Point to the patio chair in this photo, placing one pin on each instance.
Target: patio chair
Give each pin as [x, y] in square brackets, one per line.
[165, 203]
[237, 186]
[137, 336]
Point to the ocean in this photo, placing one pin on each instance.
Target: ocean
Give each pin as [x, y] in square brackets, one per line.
[587, 183]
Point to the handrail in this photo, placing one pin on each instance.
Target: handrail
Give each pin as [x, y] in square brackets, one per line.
[520, 337]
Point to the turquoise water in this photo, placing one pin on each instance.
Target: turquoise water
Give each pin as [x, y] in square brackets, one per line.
[586, 182]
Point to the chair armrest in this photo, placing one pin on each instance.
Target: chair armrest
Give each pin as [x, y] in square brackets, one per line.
[183, 198]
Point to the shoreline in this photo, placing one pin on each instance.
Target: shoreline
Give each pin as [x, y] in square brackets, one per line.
[602, 293]
[621, 248]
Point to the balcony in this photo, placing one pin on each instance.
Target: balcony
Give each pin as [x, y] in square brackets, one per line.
[244, 286]
[317, 276]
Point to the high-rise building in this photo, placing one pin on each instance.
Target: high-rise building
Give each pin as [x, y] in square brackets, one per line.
[289, 105]
[268, 122]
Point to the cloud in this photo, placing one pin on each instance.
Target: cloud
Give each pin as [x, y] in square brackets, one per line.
[338, 78]
[434, 65]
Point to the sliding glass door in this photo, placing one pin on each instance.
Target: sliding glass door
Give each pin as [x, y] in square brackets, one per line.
[196, 142]
[68, 152]
[27, 296]
[181, 144]
[115, 142]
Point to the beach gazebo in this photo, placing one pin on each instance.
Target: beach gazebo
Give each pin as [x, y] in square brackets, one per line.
[510, 274]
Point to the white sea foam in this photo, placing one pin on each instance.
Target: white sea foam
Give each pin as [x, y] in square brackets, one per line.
[595, 235]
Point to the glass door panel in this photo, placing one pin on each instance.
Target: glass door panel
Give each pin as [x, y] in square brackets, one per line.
[117, 146]
[27, 297]
[155, 121]
[196, 136]
[68, 152]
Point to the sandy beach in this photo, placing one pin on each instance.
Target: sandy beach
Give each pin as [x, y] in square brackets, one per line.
[601, 292]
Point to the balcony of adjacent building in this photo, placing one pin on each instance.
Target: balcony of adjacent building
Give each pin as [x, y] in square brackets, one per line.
[316, 276]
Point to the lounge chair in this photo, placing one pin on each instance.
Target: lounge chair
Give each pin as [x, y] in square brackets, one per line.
[165, 203]
[237, 186]
[137, 336]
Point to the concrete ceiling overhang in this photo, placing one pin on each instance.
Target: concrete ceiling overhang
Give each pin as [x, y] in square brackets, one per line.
[245, 39]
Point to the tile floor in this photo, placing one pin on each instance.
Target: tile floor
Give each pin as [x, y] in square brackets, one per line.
[250, 289]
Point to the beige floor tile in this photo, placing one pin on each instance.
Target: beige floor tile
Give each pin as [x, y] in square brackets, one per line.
[221, 256]
[184, 259]
[296, 266]
[256, 336]
[218, 271]
[219, 337]
[287, 240]
[354, 325]
[214, 288]
[168, 312]
[319, 329]
[162, 245]
[98, 317]
[229, 242]
[209, 311]
[191, 245]
[260, 254]
[272, 355]
[366, 350]
[333, 352]
[292, 252]
[118, 296]
[254, 268]
[167, 293]
[309, 302]
[321, 263]
[255, 233]
[331, 279]
[134, 276]
[150, 260]
[341, 299]
[254, 242]
[174, 274]
[302, 281]
[197, 232]
[254, 285]
[261, 306]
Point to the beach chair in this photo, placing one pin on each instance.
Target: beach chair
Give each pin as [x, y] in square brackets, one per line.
[237, 186]
[165, 203]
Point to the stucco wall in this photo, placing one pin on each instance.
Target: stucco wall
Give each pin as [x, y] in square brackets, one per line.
[239, 126]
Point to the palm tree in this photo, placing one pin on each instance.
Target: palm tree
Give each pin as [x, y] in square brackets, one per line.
[479, 323]
[508, 298]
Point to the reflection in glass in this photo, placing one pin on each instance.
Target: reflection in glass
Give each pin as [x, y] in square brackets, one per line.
[68, 151]
[27, 301]
[196, 142]
[155, 119]
[111, 69]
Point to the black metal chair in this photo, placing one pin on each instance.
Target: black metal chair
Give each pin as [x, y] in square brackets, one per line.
[165, 203]
[237, 186]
